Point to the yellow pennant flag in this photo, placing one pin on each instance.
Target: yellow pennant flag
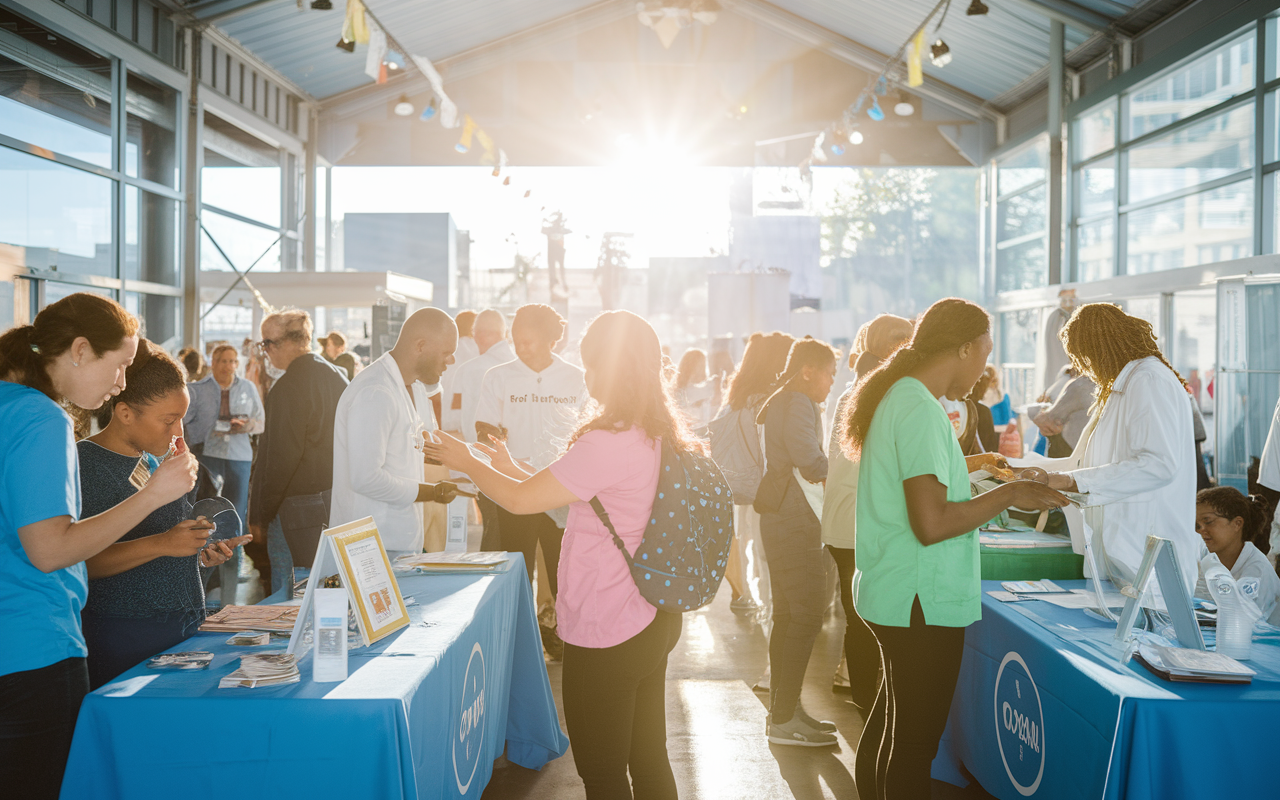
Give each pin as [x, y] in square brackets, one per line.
[915, 75]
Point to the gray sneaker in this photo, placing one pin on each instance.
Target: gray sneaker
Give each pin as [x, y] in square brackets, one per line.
[823, 725]
[796, 733]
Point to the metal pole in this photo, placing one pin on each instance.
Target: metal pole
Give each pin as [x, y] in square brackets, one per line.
[1057, 52]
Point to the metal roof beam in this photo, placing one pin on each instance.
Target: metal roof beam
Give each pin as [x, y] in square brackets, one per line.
[215, 10]
[859, 55]
[1068, 13]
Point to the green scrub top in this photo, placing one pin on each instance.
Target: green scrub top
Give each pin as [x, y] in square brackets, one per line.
[910, 436]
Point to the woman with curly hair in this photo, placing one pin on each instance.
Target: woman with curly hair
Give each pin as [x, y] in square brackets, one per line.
[1136, 459]
[616, 642]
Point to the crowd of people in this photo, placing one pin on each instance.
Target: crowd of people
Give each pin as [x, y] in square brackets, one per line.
[855, 466]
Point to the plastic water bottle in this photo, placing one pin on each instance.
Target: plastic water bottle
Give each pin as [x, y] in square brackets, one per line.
[1236, 612]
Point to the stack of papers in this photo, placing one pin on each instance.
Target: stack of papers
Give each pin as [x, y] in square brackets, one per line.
[989, 537]
[424, 563]
[1033, 587]
[194, 659]
[1184, 664]
[263, 669]
[234, 619]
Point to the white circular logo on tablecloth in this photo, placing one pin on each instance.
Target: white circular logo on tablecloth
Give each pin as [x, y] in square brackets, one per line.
[1019, 724]
[469, 741]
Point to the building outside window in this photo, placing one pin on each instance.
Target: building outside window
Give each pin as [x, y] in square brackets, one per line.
[1021, 218]
[85, 208]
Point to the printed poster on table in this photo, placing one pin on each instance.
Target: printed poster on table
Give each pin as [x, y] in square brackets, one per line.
[366, 572]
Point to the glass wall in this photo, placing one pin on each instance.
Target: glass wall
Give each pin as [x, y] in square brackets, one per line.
[1021, 218]
[83, 208]
[1163, 174]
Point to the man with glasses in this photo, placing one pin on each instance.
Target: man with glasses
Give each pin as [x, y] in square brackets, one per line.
[377, 443]
[289, 495]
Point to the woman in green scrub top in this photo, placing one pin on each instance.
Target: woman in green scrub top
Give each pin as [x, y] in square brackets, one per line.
[75, 354]
[917, 583]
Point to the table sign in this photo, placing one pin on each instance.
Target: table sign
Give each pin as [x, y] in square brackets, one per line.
[354, 551]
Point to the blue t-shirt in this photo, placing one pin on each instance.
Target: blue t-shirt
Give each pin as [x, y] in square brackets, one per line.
[1002, 412]
[39, 480]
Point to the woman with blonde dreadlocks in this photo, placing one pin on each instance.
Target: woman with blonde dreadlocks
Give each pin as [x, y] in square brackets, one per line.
[1136, 457]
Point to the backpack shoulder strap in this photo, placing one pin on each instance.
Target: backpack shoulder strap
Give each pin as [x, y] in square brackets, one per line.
[598, 507]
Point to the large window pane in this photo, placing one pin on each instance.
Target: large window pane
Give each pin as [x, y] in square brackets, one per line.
[1195, 335]
[1022, 266]
[1095, 250]
[53, 216]
[1200, 229]
[151, 145]
[243, 244]
[1210, 149]
[71, 120]
[1023, 214]
[151, 237]
[241, 173]
[1210, 79]
[1096, 131]
[1098, 187]
[1024, 168]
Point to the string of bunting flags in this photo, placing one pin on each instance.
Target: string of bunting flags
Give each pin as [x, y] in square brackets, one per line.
[909, 59]
[362, 26]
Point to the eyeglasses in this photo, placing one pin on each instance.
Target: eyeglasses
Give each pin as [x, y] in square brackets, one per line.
[265, 344]
[1205, 522]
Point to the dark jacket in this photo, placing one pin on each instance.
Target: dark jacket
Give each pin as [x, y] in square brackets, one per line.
[295, 452]
[792, 439]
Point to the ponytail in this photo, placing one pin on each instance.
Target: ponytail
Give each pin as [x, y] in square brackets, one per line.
[806, 352]
[27, 351]
[944, 328]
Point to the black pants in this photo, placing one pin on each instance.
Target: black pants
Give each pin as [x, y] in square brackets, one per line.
[900, 740]
[117, 644]
[38, 711]
[861, 650]
[490, 538]
[615, 707]
[798, 605]
[523, 533]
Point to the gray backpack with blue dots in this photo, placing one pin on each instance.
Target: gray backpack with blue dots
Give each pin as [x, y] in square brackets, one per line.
[681, 560]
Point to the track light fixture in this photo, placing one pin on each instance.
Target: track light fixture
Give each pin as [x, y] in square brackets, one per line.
[404, 107]
[940, 54]
[855, 137]
[976, 9]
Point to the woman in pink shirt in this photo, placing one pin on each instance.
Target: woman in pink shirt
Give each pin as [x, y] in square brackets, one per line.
[616, 643]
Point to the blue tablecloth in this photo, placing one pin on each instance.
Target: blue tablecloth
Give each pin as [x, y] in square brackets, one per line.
[1042, 709]
[427, 724]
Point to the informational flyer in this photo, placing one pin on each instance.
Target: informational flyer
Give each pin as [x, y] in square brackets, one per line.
[366, 572]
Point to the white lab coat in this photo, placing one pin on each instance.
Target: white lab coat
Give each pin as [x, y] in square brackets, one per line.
[1269, 476]
[1136, 461]
[377, 454]
[470, 377]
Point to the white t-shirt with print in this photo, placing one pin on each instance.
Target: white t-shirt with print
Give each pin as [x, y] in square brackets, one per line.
[538, 409]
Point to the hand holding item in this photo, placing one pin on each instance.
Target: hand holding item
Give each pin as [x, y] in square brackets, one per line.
[1034, 496]
[447, 450]
[994, 463]
[446, 492]
[175, 476]
[1047, 424]
[239, 424]
[187, 538]
[484, 430]
[219, 552]
[1060, 481]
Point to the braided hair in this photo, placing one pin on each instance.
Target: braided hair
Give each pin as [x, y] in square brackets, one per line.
[1255, 510]
[1100, 340]
[944, 328]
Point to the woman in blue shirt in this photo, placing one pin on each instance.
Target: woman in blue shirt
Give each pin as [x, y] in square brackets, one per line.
[75, 353]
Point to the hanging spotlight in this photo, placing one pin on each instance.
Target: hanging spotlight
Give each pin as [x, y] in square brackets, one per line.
[976, 9]
[855, 137]
[876, 112]
[403, 106]
[430, 110]
[940, 54]
[321, 5]
[903, 107]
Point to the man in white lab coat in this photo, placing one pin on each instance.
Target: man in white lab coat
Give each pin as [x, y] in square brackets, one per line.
[1136, 458]
[377, 435]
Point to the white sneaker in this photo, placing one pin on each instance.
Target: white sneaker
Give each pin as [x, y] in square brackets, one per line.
[796, 733]
[822, 725]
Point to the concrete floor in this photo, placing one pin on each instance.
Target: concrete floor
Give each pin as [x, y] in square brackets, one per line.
[715, 724]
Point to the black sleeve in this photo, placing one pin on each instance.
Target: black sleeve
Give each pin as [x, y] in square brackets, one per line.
[802, 436]
[279, 451]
